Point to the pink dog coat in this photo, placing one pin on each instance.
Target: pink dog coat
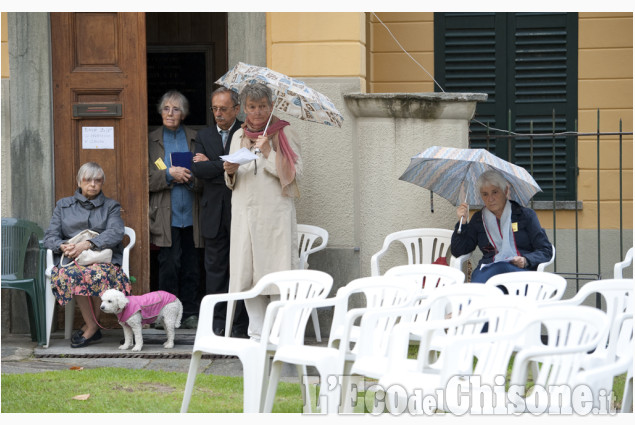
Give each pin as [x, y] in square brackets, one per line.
[149, 305]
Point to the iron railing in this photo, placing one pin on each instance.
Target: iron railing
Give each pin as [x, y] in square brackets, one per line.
[509, 137]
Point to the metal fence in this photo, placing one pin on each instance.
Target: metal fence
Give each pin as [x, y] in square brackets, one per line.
[489, 139]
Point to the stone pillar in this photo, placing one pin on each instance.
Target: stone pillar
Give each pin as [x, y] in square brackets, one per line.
[388, 130]
[30, 144]
[32, 177]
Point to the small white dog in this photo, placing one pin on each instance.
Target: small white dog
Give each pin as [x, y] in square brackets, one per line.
[137, 310]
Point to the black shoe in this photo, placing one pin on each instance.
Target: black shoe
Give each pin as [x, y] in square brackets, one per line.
[239, 333]
[76, 336]
[219, 331]
[83, 342]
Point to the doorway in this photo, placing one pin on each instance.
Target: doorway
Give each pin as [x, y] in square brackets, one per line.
[186, 51]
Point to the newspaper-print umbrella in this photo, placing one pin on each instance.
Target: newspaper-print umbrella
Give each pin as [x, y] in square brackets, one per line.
[452, 174]
[291, 96]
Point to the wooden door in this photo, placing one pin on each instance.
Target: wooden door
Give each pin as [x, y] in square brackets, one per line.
[100, 114]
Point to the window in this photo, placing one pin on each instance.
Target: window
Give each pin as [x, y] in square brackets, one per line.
[527, 63]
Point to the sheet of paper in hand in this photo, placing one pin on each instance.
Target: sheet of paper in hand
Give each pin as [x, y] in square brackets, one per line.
[241, 156]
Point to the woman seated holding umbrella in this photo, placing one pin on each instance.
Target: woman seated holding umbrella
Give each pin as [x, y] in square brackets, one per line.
[508, 234]
[264, 227]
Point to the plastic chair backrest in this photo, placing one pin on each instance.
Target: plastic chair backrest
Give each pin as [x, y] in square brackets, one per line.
[491, 347]
[618, 269]
[541, 267]
[125, 266]
[292, 285]
[445, 302]
[537, 286]
[430, 276]
[571, 331]
[423, 246]
[377, 292]
[618, 295]
[307, 235]
[16, 236]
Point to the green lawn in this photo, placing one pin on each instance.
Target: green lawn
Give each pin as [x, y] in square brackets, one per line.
[116, 390]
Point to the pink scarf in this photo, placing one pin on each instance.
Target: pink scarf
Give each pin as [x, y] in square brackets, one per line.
[286, 158]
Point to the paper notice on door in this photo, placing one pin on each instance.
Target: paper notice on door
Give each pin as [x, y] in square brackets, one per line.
[98, 137]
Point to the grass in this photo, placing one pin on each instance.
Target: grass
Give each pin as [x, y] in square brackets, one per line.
[118, 390]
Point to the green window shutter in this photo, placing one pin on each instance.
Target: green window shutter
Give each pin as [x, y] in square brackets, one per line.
[527, 65]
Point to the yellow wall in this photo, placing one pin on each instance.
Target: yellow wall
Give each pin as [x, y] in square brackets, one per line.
[391, 70]
[303, 44]
[4, 51]
[605, 82]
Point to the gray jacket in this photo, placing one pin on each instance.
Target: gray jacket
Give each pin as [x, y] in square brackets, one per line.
[76, 213]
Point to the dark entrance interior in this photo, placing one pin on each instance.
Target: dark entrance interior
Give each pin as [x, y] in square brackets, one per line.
[186, 52]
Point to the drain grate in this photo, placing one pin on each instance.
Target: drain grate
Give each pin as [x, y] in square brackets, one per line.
[131, 356]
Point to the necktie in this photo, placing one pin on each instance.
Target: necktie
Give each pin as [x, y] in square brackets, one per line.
[223, 134]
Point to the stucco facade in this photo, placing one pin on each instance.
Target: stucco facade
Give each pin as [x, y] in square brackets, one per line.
[350, 186]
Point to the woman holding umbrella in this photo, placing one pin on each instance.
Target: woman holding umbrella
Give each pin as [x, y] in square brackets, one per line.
[264, 227]
[508, 234]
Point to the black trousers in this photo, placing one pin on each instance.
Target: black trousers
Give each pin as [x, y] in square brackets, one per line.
[179, 269]
[217, 279]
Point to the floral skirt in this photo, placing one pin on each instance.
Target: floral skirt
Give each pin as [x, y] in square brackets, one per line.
[91, 280]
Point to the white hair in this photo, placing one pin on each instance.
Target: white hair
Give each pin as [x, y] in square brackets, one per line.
[494, 178]
[90, 170]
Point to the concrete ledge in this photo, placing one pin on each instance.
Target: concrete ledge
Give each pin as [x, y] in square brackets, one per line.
[415, 105]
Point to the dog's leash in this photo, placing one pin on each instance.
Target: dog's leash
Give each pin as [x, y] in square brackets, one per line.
[92, 311]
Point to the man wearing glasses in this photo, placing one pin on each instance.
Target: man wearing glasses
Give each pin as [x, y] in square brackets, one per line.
[215, 212]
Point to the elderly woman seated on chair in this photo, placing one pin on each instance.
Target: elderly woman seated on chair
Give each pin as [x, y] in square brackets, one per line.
[90, 209]
[508, 234]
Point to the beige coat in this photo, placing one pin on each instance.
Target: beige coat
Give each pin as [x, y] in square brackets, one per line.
[264, 227]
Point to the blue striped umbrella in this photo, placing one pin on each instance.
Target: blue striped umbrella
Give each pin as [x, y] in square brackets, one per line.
[452, 174]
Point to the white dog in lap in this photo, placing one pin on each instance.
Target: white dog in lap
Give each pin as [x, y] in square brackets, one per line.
[135, 311]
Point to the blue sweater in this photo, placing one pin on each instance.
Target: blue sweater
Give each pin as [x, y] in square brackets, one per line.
[181, 197]
[531, 239]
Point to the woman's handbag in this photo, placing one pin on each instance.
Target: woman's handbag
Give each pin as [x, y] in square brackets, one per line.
[89, 256]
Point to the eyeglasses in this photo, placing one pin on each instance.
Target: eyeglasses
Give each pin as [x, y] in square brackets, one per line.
[222, 110]
[94, 180]
[175, 111]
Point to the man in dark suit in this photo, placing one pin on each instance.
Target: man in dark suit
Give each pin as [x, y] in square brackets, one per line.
[215, 213]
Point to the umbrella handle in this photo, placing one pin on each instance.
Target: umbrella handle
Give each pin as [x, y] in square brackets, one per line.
[264, 133]
[460, 223]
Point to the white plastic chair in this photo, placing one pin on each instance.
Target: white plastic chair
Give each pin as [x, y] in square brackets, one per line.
[600, 377]
[572, 332]
[307, 235]
[293, 286]
[423, 246]
[619, 296]
[465, 340]
[334, 360]
[375, 345]
[429, 276]
[619, 267]
[69, 312]
[458, 262]
[534, 285]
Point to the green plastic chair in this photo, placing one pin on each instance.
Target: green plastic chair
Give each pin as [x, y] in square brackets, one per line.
[16, 237]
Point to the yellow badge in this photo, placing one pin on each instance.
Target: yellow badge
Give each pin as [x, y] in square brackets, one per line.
[160, 164]
[514, 227]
